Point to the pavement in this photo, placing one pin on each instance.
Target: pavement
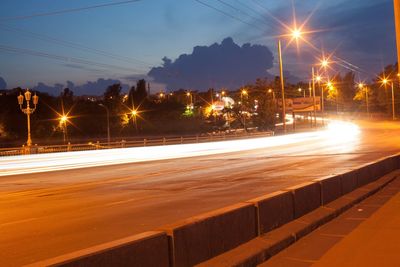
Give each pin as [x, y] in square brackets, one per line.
[366, 235]
[43, 215]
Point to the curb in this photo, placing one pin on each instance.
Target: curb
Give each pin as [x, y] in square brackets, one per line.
[263, 247]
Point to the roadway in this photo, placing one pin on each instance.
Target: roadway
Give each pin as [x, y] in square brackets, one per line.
[43, 215]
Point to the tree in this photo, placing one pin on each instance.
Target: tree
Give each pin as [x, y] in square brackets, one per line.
[113, 100]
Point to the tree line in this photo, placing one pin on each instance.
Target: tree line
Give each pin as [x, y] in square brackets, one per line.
[137, 113]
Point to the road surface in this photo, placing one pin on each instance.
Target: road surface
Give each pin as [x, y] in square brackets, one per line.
[43, 215]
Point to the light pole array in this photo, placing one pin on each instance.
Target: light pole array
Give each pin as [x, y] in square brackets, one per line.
[28, 110]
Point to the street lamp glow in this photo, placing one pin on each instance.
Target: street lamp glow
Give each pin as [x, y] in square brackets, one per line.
[361, 85]
[63, 119]
[318, 78]
[134, 113]
[296, 34]
[244, 92]
[324, 63]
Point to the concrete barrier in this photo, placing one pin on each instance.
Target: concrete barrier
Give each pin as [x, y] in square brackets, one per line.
[364, 175]
[349, 181]
[273, 210]
[331, 188]
[146, 249]
[202, 237]
[307, 197]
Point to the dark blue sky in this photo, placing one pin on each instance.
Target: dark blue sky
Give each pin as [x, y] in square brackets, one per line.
[123, 42]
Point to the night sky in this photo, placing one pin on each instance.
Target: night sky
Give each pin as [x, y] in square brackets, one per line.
[124, 42]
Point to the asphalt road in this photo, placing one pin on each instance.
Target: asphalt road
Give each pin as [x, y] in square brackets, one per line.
[43, 215]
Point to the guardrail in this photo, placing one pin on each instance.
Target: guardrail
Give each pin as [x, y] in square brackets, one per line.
[157, 141]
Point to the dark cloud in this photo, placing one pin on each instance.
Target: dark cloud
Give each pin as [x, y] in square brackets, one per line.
[89, 88]
[3, 84]
[135, 77]
[219, 65]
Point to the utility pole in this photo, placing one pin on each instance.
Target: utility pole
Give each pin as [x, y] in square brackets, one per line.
[282, 86]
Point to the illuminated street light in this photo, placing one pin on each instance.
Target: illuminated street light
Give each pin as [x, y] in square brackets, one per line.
[63, 124]
[271, 91]
[243, 92]
[301, 90]
[385, 82]
[190, 98]
[295, 34]
[324, 63]
[28, 110]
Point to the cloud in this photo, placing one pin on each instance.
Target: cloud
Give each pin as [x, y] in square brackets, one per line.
[3, 84]
[218, 65]
[89, 88]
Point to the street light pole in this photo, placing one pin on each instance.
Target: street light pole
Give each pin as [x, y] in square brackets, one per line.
[393, 111]
[108, 122]
[28, 110]
[282, 85]
[314, 100]
[366, 100]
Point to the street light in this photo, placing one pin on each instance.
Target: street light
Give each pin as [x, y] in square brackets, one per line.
[28, 110]
[190, 97]
[134, 114]
[63, 124]
[295, 34]
[243, 92]
[270, 91]
[385, 81]
[301, 90]
[108, 122]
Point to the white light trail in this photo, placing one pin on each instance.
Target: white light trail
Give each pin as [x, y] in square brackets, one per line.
[26, 164]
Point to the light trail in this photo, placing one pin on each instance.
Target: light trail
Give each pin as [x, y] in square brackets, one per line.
[338, 133]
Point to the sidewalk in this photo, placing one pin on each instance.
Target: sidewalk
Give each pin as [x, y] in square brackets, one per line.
[366, 235]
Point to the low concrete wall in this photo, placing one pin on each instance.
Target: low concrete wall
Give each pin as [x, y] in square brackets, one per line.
[203, 237]
[331, 188]
[146, 249]
[273, 210]
[307, 197]
[349, 181]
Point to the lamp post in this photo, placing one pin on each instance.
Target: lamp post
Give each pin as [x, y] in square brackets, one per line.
[295, 34]
[385, 82]
[314, 99]
[134, 114]
[63, 124]
[282, 85]
[190, 98]
[108, 122]
[28, 110]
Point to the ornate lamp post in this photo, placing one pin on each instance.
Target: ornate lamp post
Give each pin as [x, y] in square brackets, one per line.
[28, 110]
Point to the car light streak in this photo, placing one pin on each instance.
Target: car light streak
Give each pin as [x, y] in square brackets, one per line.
[338, 133]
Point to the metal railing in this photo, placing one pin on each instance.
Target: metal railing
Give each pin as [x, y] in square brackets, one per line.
[154, 141]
